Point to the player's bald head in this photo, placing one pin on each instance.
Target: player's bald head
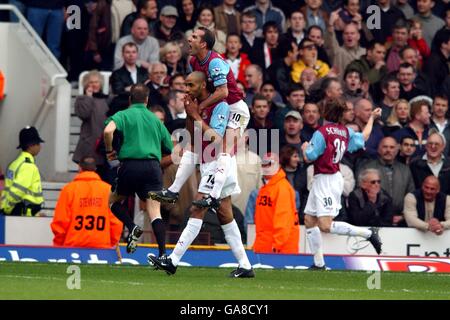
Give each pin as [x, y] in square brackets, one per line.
[196, 77]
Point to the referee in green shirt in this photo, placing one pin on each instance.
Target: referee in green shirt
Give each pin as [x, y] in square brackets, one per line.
[140, 154]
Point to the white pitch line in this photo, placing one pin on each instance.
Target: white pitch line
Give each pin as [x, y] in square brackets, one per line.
[59, 279]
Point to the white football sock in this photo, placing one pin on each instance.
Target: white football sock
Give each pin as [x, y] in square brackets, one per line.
[233, 237]
[223, 166]
[185, 170]
[187, 237]
[314, 238]
[344, 228]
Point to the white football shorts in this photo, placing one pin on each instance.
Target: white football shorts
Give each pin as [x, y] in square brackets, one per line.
[324, 199]
[208, 171]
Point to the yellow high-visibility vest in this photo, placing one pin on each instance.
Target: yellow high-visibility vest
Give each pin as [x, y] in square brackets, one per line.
[22, 184]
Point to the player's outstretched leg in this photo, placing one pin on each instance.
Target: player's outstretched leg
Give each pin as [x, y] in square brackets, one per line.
[185, 169]
[344, 228]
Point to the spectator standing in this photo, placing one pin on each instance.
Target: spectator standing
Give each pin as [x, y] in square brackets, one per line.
[276, 218]
[363, 109]
[296, 31]
[369, 205]
[140, 170]
[227, 18]
[431, 23]
[254, 79]
[129, 73]
[91, 108]
[405, 7]
[249, 36]
[146, 9]
[99, 44]
[266, 52]
[428, 209]
[372, 64]
[166, 29]
[148, 47]
[314, 14]
[400, 33]
[22, 195]
[389, 15]
[295, 102]
[436, 67]
[311, 119]
[206, 20]
[47, 16]
[264, 11]
[418, 126]
[390, 87]
[238, 61]
[188, 14]
[279, 71]
[349, 51]
[407, 75]
[293, 125]
[82, 215]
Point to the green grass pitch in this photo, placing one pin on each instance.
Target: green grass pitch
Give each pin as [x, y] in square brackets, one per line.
[48, 281]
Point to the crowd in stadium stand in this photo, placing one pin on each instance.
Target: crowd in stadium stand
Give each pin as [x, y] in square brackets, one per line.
[289, 57]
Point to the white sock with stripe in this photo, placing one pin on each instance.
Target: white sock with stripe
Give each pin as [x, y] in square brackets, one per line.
[187, 237]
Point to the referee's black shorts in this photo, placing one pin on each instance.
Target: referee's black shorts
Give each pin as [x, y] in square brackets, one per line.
[139, 176]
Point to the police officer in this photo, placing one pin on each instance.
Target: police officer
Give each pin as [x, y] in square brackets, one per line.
[140, 154]
[23, 189]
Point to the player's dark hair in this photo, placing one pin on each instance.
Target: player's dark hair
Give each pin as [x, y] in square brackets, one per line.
[208, 37]
[334, 109]
[139, 93]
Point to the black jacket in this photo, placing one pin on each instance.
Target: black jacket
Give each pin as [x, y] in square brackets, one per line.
[121, 78]
[362, 212]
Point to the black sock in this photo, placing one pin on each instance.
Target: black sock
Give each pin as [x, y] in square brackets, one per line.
[160, 234]
[121, 212]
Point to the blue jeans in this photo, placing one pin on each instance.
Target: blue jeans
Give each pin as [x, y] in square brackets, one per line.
[22, 8]
[51, 21]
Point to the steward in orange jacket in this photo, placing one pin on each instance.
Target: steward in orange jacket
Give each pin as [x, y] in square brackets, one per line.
[82, 214]
[276, 219]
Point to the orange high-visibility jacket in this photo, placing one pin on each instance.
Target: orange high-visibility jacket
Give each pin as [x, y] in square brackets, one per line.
[82, 215]
[276, 219]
